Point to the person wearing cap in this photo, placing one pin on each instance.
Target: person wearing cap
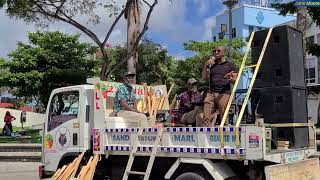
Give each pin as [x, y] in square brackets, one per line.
[124, 101]
[221, 73]
[189, 108]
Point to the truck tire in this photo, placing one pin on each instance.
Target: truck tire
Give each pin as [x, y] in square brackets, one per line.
[191, 176]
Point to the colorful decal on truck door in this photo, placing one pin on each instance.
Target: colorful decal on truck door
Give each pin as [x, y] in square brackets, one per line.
[96, 140]
[62, 138]
[48, 141]
[49, 144]
[254, 140]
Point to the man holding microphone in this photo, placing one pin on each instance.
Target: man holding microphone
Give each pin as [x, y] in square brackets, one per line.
[220, 73]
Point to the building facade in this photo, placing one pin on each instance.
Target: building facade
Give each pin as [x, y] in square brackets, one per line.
[246, 19]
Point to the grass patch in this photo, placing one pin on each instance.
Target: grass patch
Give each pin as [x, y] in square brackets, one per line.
[34, 136]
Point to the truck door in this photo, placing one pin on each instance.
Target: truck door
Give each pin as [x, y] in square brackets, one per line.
[62, 127]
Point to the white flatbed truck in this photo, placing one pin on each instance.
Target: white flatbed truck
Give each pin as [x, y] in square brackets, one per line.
[83, 125]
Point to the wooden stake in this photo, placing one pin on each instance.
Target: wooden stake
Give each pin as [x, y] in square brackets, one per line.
[172, 105]
[87, 172]
[59, 172]
[77, 164]
[84, 170]
[161, 103]
[169, 92]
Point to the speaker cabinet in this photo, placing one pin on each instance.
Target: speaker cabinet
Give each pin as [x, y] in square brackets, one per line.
[283, 61]
[280, 104]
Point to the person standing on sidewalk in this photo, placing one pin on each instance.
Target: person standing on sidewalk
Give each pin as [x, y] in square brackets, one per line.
[8, 125]
[221, 73]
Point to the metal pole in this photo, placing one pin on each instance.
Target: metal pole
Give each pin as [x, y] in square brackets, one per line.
[230, 31]
[230, 4]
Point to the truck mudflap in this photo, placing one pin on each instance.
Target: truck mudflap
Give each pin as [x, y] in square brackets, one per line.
[303, 170]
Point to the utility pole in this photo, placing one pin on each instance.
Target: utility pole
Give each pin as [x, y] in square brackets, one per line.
[230, 4]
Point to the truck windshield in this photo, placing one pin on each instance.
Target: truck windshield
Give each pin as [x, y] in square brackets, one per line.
[63, 107]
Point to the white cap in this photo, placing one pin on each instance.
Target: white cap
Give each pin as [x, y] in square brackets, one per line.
[192, 80]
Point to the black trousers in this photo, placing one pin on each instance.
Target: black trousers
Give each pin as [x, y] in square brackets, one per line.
[9, 126]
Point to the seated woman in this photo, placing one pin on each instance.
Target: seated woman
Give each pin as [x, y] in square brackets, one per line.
[124, 102]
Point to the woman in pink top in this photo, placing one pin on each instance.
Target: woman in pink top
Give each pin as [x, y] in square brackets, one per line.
[7, 120]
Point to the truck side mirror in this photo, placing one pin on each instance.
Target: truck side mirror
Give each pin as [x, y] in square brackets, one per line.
[87, 113]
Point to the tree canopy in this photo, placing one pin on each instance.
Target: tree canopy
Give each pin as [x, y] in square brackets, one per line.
[50, 60]
[155, 65]
[314, 13]
[80, 13]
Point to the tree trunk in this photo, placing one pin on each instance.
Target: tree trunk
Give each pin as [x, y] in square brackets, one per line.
[301, 19]
[133, 18]
[301, 25]
[105, 61]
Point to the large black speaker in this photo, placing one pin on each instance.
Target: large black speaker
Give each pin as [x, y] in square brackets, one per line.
[280, 104]
[282, 63]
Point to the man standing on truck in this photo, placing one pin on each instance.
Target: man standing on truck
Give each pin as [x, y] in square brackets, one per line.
[124, 101]
[221, 73]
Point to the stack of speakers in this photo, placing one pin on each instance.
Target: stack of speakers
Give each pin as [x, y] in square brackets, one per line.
[279, 93]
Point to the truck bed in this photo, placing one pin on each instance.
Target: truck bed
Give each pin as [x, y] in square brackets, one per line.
[195, 142]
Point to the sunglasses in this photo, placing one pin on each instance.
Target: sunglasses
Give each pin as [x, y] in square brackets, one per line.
[214, 51]
[130, 77]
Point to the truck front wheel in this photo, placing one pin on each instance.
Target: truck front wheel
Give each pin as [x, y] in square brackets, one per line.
[192, 176]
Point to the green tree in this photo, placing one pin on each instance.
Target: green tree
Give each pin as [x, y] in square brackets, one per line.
[43, 12]
[50, 60]
[155, 65]
[302, 12]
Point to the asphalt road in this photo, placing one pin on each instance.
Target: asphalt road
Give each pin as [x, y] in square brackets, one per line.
[19, 170]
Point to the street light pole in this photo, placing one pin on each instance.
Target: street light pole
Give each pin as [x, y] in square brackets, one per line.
[230, 4]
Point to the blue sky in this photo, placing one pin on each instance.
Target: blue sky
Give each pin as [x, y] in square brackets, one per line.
[171, 25]
[200, 17]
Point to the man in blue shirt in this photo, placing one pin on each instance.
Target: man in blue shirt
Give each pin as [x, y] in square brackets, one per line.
[124, 101]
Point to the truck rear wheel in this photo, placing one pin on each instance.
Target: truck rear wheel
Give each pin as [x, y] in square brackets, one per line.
[191, 176]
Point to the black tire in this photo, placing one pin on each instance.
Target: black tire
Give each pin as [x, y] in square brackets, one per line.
[191, 176]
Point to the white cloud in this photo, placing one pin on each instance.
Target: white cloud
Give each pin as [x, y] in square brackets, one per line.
[209, 24]
[203, 6]
[167, 18]
[11, 32]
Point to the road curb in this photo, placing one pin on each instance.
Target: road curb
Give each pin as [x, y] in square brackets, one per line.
[20, 147]
[20, 156]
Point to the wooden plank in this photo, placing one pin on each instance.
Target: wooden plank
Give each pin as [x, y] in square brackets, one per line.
[60, 172]
[84, 170]
[77, 164]
[65, 173]
[94, 165]
[56, 173]
[173, 103]
[302, 170]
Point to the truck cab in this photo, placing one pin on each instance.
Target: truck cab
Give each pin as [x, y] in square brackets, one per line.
[66, 128]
